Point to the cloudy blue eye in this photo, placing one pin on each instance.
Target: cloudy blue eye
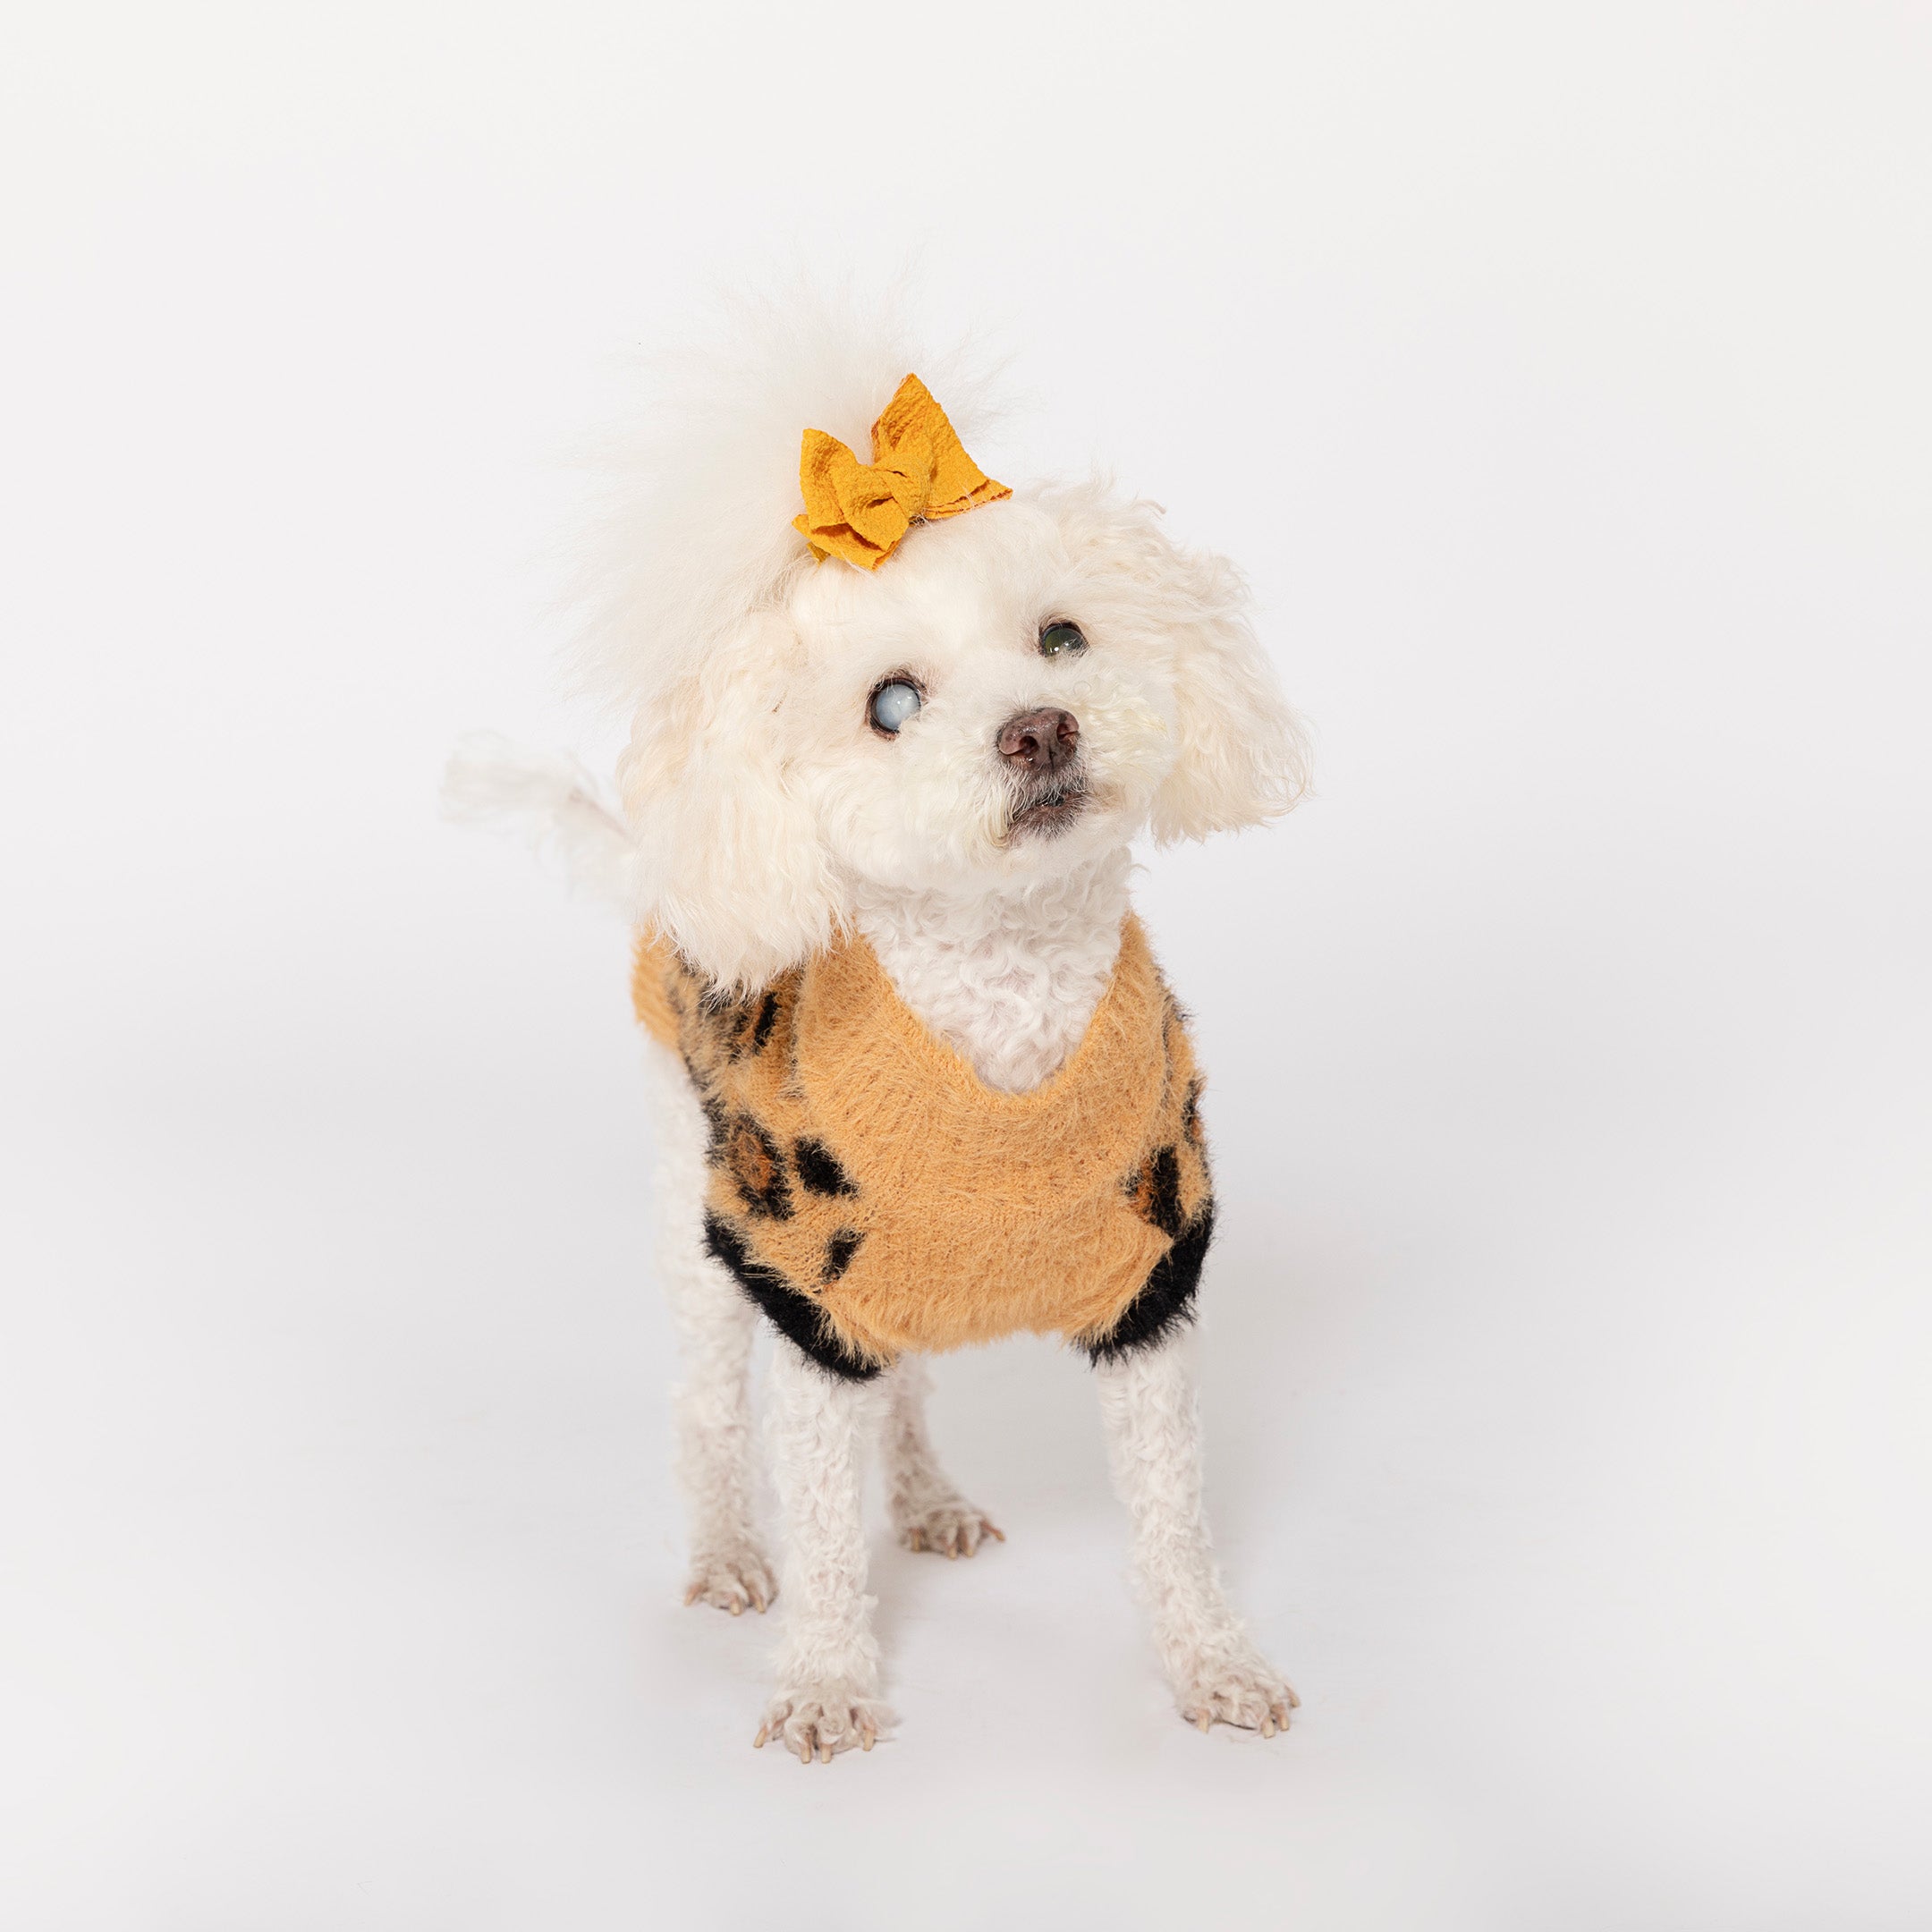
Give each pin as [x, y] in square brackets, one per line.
[1059, 637]
[892, 704]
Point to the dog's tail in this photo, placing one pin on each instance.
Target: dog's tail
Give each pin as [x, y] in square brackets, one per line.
[556, 804]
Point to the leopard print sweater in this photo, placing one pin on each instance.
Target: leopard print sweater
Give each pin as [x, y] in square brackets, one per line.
[871, 1194]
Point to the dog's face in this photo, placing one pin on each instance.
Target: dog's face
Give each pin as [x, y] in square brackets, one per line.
[1011, 694]
[987, 706]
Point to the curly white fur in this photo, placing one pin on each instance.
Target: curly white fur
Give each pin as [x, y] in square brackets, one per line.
[927, 1510]
[715, 1324]
[761, 813]
[828, 1665]
[1008, 979]
[1153, 1430]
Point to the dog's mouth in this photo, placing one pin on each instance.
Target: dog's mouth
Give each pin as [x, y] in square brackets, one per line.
[1048, 808]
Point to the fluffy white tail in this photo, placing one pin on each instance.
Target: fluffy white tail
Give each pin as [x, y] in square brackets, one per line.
[556, 804]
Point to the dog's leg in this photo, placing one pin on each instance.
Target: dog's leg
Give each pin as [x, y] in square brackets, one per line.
[715, 1324]
[1153, 1427]
[827, 1696]
[926, 1511]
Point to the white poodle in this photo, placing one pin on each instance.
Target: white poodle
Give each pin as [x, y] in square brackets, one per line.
[924, 760]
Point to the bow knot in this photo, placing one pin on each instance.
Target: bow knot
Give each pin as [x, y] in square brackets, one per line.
[919, 473]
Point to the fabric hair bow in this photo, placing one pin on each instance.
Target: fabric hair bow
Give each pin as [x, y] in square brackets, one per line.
[919, 473]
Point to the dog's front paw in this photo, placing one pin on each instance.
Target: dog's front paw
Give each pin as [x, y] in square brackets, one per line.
[1242, 1690]
[822, 1719]
[954, 1529]
[736, 1579]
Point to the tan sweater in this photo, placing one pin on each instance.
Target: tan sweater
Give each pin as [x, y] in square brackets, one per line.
[872, 1194]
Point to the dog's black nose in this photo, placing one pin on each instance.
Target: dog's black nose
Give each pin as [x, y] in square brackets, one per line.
[1039, 742]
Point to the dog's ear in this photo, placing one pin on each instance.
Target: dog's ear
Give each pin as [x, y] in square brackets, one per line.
[730, 867]
[1243, 753]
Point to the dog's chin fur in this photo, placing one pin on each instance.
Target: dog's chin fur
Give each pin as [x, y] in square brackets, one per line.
[1045, 807]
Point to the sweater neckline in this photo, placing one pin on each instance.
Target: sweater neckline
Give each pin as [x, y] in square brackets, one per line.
[858, 974]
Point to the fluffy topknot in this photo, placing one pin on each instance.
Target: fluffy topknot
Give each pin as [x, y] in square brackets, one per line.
[699, 489]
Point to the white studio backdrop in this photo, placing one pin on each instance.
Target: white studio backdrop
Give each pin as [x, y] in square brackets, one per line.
[1560, 376]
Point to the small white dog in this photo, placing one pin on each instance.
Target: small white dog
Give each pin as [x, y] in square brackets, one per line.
[887, 763]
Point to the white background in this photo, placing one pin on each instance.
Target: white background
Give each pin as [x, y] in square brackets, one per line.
[1561, 375]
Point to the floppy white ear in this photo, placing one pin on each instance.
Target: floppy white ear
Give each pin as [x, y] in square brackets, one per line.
[1242, 752]
[730, 864]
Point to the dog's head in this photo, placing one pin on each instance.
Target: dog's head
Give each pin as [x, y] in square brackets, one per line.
[1011, 693]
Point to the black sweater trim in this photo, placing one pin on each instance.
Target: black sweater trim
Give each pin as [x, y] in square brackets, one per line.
[1166, 1299]
[794, 1315]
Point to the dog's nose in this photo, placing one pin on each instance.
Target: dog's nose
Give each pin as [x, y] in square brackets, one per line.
[1039, 742]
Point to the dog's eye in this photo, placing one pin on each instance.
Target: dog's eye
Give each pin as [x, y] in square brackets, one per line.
[1061, 636]
[892, 704]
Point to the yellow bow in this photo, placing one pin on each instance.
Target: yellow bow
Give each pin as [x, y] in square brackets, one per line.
[919, 471]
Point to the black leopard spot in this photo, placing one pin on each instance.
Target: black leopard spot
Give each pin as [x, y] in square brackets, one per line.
[818, 1168]
[1154, 1189]
[1167, 1298]
[838, 1254]
[767, 1012]
[794, 1315]
[741, 1026]
[756, 1166]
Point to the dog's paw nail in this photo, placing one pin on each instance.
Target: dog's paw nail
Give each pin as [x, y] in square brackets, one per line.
[949, 1530]
[1244, 1693]
[816, 1724]
[730, 1580]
